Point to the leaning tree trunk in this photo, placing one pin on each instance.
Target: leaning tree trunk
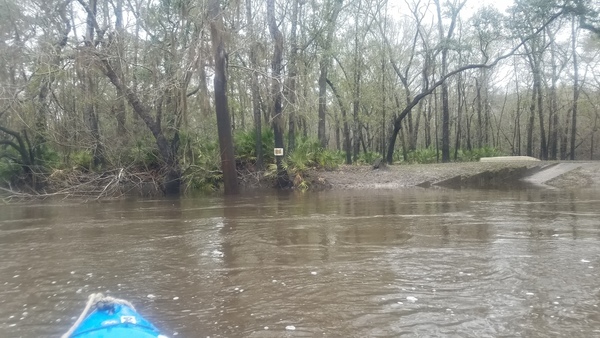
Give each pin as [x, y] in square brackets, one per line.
[167, 150]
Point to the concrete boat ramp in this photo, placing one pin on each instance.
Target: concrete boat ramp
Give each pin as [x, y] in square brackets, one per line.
[520, 170]
[551, 172]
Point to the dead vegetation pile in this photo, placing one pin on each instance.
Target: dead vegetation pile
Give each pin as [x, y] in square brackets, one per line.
[81, 184]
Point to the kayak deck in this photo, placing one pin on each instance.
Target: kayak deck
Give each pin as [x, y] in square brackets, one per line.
[113, 318]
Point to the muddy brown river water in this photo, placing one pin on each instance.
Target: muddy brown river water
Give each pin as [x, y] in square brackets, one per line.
[387, 263]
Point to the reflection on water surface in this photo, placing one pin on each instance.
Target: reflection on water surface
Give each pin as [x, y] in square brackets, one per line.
[413, 262]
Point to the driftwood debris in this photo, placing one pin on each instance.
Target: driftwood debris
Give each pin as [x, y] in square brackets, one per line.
[88, 185]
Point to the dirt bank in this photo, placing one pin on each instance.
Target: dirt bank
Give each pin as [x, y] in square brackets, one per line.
[454, 174]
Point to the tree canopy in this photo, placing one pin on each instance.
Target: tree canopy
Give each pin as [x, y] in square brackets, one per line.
[98, 86]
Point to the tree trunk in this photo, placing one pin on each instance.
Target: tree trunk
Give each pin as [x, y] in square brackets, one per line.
[460, 94]
[276, 67]
[119, 108]
[483, 113]
[445, 38]
[575, 87]
[531, 123]
[486, 108]
[89, 84]
[323, 70]
[517, 128]
[356, 111]
[357, 74]
[46, 81]
[534, 55]
[322, 102]
[445, 114]
[553, 118]
[293, 72]
[347, 141]
[221, 107]
[26, 154]
[537, 84]
[255, 88]
[479, 100]
[383, 108]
